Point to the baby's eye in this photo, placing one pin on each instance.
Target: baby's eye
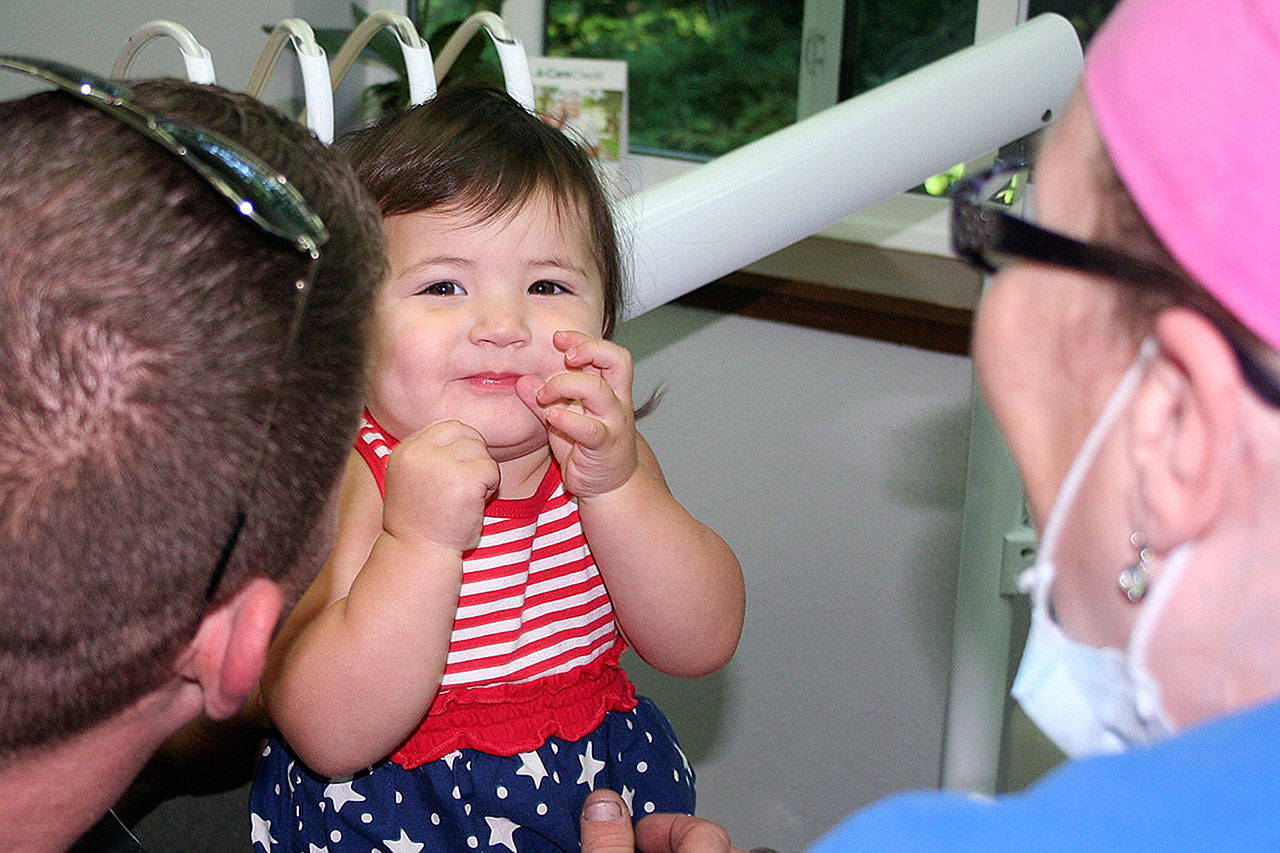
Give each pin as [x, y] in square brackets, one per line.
[442, 288]
[547, 288]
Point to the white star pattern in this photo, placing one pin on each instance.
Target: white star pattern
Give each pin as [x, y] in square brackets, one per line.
[342, 793]
[531, 765]
[683, 759]
[260, 833]
[590, 767]
[315, 819]
[403, 844]
[500, 831]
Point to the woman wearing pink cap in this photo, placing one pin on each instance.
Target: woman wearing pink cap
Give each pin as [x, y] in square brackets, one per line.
[1128, 346]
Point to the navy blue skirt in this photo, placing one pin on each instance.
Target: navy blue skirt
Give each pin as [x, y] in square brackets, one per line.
[470, 800]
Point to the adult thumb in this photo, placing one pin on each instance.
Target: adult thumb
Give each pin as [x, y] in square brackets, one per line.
[606, 824]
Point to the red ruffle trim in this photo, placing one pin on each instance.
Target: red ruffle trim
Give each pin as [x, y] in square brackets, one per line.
[504, 719]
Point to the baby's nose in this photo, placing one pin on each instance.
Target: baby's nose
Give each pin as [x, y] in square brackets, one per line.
[500, 322]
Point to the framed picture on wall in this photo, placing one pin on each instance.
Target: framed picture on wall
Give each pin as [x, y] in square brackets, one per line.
[587, 98]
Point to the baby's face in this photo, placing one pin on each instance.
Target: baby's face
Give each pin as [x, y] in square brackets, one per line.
[470, 307]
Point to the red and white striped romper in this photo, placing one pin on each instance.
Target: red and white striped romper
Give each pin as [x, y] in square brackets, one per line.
[535, 647]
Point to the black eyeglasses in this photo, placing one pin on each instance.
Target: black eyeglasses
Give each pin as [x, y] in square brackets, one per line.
[987, 236]
[257, 191]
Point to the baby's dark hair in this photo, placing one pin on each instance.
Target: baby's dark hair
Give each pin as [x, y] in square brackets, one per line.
[473, 148]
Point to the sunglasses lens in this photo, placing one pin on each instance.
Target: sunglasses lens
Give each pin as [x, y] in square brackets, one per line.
[255, 189]
[1003, 189]
[258, 192]
[977, 215]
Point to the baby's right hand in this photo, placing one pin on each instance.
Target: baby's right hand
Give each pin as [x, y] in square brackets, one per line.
[438, 481]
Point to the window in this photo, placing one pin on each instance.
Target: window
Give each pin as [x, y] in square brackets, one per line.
[707, 76]
[1086, 15]
[884, 39]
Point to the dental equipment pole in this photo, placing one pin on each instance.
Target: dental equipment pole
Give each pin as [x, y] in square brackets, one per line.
[198, 61]
[417, 54]
[744, 205]
[316, 87]
[515, 64]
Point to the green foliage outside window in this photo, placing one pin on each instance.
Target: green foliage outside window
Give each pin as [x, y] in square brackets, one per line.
[888, 38]
[1085, 15]
[704, 76]
[707, 76]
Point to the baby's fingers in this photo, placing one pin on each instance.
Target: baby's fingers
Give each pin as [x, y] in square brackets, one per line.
[580, 428]
[587, 391]
[595, 355]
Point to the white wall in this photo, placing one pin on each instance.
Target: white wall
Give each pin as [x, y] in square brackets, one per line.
[91, 34]
[834, 466]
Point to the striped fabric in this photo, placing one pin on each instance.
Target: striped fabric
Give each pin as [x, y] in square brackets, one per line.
[533, 603]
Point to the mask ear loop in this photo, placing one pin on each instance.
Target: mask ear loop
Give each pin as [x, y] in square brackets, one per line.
[1038, 582]
[1148, 699]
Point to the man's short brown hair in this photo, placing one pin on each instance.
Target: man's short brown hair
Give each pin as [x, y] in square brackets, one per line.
[142, 324]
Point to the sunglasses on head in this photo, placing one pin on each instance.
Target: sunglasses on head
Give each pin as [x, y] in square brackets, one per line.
[254, 189]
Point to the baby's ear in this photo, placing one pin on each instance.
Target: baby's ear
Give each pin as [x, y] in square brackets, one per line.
[1185, 418]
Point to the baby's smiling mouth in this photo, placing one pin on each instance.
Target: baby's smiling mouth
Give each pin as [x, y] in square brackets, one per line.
[495, 381]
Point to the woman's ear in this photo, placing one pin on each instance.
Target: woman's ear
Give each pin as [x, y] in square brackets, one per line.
[1185, 418]
[229, 650]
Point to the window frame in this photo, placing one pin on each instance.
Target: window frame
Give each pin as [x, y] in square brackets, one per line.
[915, 224]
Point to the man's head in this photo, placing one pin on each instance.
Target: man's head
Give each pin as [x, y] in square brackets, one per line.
[142, 330]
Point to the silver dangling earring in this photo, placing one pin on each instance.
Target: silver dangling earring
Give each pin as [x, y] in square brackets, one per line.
[1133, 580]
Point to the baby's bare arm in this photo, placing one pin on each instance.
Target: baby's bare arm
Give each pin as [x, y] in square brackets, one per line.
[359, 662]
[676, 585]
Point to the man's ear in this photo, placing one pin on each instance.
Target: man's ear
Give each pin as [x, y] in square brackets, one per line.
[229, 650]
[1186, 415]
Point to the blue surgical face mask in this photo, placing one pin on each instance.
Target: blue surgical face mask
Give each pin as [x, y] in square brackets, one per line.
[1089, 700]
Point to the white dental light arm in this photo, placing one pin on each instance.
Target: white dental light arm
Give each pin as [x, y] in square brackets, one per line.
[515, 64]
[417, 54]
[197, 60]
[316, 87]
[740, 207]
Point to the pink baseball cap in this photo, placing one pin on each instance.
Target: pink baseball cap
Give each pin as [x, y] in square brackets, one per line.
[1186, 94]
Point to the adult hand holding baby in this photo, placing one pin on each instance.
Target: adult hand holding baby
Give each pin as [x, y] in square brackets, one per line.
[607, 828]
